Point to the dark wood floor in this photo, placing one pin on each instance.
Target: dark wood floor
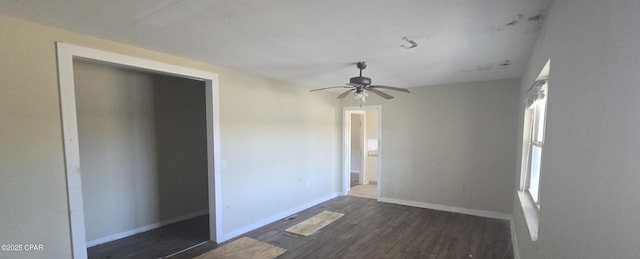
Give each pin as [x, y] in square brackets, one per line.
[156, 243]
[370, 229]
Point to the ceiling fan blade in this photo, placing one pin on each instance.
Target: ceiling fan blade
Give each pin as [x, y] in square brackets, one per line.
[381, 93]
[391, 88]
[344, 86]
[345, 93]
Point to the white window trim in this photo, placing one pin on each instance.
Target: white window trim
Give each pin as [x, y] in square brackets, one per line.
[530, 208]
[533, 132]
[530, 211]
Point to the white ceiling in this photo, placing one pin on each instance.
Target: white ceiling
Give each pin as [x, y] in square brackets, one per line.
[315, 43]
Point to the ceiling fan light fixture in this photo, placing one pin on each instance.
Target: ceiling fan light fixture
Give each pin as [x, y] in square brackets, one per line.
[360, 95]
[360, 86]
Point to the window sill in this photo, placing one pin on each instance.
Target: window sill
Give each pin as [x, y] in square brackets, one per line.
[530, 211]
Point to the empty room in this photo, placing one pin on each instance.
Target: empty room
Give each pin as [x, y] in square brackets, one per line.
[324, 129]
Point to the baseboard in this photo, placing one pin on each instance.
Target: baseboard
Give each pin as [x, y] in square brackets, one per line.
[134, 231]
[474, 212]
[274, 218]
[514, 240]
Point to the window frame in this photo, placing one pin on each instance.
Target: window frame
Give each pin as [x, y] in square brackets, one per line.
[537, 119]
[534, 96]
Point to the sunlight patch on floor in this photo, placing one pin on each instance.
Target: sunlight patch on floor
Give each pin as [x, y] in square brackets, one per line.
[365, 191]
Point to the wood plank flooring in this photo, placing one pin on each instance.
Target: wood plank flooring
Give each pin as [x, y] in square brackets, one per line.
[155, 243]
[370, 229]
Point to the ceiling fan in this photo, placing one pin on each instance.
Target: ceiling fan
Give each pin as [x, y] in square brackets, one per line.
[360, 85]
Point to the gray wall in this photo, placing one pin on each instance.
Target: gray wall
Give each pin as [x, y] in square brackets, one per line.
[590, 167]
[450, 145]
[143, 150]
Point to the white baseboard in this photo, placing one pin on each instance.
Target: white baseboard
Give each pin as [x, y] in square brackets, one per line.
[514, 240]
[274, 218]
[134, 231]
[474, 212]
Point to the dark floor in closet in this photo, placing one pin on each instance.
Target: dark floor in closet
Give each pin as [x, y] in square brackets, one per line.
[155, 243]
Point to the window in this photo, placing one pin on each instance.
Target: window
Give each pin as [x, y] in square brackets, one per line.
[532, 146]
[537, 112]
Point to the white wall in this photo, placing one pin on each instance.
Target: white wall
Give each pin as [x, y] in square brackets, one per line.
[279, 141]
[279, 146]
[143, 147]
[589, 177]
[371, 164]
[450, 145]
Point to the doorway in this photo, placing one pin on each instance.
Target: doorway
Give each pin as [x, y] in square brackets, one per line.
[143, 153]
[358, 159]
[362, 128]
[67, 53]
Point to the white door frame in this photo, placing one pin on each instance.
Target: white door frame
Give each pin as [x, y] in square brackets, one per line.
[346, 144]
[66, 54]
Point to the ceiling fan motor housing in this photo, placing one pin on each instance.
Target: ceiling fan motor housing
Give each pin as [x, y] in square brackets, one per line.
[360, 80]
